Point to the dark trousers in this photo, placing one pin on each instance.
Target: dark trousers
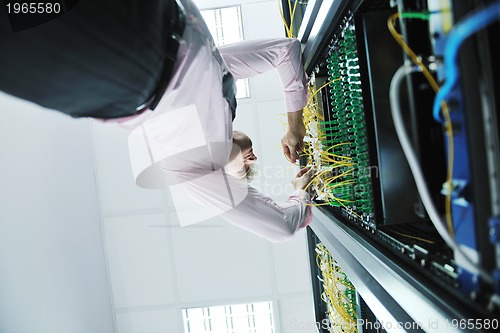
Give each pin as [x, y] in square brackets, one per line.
[101, 59]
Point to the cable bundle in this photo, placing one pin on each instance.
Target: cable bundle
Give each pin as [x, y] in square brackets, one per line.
[328, 185]
[339, 293]
[338, 141]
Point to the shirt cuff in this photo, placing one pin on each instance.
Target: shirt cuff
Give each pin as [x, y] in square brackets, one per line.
[307, 211]
[296, 101]
[302, 195]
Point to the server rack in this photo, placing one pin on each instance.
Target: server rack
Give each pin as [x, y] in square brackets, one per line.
[376, 224]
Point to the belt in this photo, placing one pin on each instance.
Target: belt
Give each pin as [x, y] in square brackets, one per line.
[175, 31]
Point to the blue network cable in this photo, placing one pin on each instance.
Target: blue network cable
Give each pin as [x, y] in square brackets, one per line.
[455, 38]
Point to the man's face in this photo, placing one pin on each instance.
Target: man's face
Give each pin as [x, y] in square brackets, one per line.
[248, 156]
[245, 144]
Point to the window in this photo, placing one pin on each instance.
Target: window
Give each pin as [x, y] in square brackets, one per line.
[226, 27]
[240, 318]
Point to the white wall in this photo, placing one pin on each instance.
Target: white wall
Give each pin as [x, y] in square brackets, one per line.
[53, 277]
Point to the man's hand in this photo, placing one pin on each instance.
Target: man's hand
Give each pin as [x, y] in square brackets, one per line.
[293, 140]
[303, 178]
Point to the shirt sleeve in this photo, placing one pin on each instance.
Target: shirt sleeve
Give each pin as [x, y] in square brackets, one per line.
[249, 58]
[199, 196]
[267, 219]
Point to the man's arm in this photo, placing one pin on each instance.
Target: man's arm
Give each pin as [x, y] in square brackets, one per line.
[250, 58]
[293, 139]
[218, 194]
[265, 218]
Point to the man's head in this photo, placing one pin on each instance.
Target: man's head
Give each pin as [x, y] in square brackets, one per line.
[243, 155]
[246, 146]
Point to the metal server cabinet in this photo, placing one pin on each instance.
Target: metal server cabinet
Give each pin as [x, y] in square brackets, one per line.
[371, 214]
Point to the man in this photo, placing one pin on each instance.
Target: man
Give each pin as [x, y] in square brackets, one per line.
[124, 63]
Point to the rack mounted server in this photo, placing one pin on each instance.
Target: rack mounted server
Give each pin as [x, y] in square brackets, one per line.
[415, 226]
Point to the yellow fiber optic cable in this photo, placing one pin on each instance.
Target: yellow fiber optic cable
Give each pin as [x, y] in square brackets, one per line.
[342, 204]
[316, 178]
[449, 129]
[319, 89]
[318, 204]
[289, 29]
[288, 33]
[292, 15]
[340, 308]
[414, 237]
[321, 156]
[399, 38]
